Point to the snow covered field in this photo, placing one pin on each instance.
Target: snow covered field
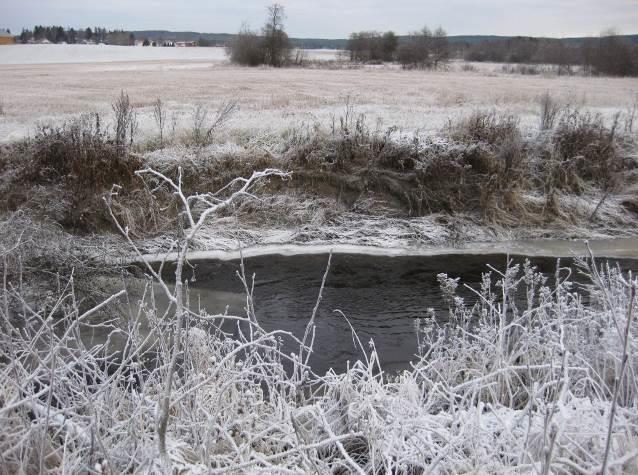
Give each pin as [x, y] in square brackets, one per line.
[270, 100]
[56, 54]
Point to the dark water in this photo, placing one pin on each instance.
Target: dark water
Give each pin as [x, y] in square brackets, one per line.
[381, 297]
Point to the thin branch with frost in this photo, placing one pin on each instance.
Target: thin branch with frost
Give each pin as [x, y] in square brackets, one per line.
[310, 326]
[224, 113]
[184, 243]
[619, 379]
[503, 386]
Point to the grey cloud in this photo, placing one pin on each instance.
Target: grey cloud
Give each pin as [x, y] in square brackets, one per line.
[335, 18]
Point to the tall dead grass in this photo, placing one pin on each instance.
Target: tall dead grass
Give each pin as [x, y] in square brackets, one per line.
[69, 168]
[480, 164]
[483, 165]
[549, 111]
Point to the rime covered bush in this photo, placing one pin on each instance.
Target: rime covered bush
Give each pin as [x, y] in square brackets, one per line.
[548, 386]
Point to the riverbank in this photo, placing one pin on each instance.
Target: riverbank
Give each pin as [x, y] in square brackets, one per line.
[556, 248]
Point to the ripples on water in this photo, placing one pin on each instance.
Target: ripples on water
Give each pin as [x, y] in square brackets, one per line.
[381, 296]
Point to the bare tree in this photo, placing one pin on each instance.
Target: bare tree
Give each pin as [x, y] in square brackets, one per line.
[440, 47]
[355, 46]
[415, 52]
[390, 43]
[271, 48]
[275, 40]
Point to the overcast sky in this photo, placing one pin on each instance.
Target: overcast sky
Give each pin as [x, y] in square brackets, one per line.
[334, 18]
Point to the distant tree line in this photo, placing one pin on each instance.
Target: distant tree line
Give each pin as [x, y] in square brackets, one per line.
[421, 49]
[271, 46]
[59, 34]
[610, 54]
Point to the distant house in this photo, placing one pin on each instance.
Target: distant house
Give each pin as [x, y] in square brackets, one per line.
[186, 44]
[6, 38]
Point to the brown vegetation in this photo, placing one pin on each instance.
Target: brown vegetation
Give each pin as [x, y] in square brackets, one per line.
[271, 48]
[372, 46]
[482, 166]
[64, 171]
[610, 54]
[588, 151]
[486, 167]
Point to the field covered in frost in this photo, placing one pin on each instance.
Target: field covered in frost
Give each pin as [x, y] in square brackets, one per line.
[111, 160]
[69, 54]
[274, 100]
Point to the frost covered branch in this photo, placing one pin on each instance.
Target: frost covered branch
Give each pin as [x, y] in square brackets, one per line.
[524, 377]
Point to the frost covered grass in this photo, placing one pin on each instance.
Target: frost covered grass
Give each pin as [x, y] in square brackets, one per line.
[274, 100]
[482, 170]
[74, 54]
[548, 386]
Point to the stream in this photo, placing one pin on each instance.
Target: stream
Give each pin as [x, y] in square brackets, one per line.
[380, 296]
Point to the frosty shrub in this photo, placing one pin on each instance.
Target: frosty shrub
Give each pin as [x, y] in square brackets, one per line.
[584, 138]
[203, 128]
[545, 387]
[125, 120]
[63, 171]
[584, 153]
[486, 126]
[549, 110]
